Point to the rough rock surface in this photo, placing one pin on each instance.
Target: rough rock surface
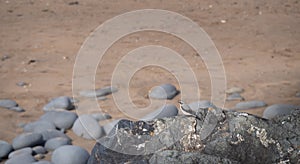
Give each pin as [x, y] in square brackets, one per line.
[214, 136]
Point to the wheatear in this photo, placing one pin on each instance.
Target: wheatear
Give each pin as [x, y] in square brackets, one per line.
[186, 109]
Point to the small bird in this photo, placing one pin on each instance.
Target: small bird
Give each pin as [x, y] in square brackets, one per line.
[186, 109]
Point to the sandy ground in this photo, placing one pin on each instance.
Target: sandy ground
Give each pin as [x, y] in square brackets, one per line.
[259, 46]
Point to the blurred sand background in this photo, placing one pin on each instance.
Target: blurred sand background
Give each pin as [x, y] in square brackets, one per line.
[258, 43]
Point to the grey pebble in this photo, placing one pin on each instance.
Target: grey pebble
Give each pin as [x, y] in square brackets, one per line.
[234, 97]
[298, 94]
[99, 92]
[5, 149]
[17, 109]
[234, 90]
[27, 140]
[50, 133]
[249, 105]
[62, 102]
[87, 127]
[167, 110]
[38, 126]
[57, 142]
[278, 110]
[61, 119]
[7, 103]
[38, 150]
[201, 105]
[26, 150]
[21, 84]
[21, 159]
[164, 91]
[70, 155]
[100, 116]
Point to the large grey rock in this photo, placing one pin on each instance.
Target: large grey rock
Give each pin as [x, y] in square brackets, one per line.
[278, 110]
[195, 106]
[87, 127]
[61, 119]
[48, 134]
[99, 92]
[27, 140]
[38, 126]
[5, 149]
[57, 142]
[235, 138]
[26, 150]
[249, 105]
[21, 159]
[7, 103]
[70, 155]
[62, 102]
[164, 91]
[167, 110]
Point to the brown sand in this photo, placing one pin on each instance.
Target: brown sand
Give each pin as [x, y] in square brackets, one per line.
[259, 45]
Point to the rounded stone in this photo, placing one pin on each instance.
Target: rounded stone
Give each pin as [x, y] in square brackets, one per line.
[167, 110]
[234, 90]
[22, 158]
[27, 140]
[26, 150]
[70, 155]
[57, 142]
[249, 105]
[164, 91]
[49, 134]
[38, 126]
[38, 150]
[61, 119]
[62, 102]
[235, 97]
[87, 127]
[7, 103]
[101, 116]
[99, 92]
[203, 104]
[5, 149]
[17, 109]
[278, 110]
